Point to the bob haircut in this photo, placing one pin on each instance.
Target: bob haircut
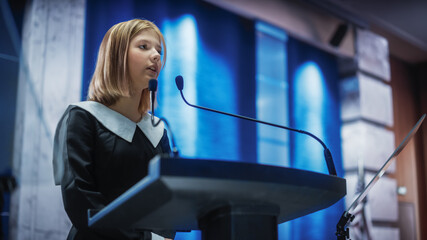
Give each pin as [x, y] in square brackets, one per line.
[110, 80]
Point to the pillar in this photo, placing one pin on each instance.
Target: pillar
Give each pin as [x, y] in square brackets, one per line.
[367, 139]
[49, 79]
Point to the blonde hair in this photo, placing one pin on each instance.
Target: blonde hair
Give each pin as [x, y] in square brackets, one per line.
[110, 80]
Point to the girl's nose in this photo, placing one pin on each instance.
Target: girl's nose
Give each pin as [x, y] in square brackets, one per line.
[156, 56]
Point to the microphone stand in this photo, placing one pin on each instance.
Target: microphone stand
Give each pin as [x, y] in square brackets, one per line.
[342, 232]
[152, 86]
[328, 156]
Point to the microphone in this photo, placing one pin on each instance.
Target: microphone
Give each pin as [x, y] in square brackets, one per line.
[328, 156]
[152, 87]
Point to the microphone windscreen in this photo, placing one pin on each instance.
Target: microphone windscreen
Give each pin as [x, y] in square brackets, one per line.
[152, 85]
[179, 82]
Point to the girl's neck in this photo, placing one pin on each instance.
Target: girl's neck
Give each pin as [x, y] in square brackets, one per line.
[128, 107]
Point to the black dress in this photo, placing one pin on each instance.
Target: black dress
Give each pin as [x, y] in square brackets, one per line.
[98, 155]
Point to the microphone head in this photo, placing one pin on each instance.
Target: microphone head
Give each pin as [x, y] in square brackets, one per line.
[179, 82]
[152, 85]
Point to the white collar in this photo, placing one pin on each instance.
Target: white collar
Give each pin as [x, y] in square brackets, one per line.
[121, 125]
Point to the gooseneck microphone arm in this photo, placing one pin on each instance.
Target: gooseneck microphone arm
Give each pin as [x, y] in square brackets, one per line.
[328, 156]
[152, 87]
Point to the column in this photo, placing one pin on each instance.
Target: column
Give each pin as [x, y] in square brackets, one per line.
[367, 139]
[49, 79]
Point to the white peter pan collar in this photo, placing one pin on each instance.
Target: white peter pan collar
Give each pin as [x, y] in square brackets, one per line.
[121, 125]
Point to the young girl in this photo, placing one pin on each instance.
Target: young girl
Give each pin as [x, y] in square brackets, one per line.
[103, 146]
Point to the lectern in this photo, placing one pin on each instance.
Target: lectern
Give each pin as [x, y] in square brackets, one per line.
[225, 200]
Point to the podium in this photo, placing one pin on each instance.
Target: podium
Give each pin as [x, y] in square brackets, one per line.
[225, 200]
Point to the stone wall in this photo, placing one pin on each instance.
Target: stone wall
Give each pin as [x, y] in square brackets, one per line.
[49, 79]
[367, 141]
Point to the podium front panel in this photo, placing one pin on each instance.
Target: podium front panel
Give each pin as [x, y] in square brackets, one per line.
[177, 192]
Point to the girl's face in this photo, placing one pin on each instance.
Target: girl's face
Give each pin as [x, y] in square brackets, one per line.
[144, 59]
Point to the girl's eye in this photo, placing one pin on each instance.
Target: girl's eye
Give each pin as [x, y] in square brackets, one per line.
[160, 52]
[144, 46]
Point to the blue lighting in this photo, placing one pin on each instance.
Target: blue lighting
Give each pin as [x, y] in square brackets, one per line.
[272, 94]
[182, 45]
[314, 104]
[309, 105]
[208, 82]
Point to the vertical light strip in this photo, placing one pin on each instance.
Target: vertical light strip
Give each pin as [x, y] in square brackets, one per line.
[271, 94]
[309, 105]
[181, 41]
